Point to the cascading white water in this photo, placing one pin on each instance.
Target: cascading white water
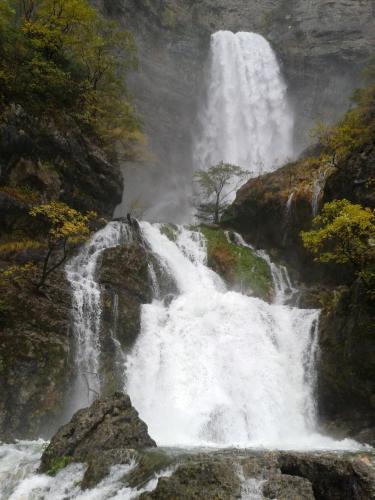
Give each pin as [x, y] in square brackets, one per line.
[81, 274]
[19, 480]
[211, 368]
[247, 120]
[215, 367]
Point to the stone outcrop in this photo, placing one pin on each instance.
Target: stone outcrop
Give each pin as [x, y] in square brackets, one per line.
[201, 479]
[354, 177]
[284, 487]
[271, 211]
[284, 475]
[104, 433]
[59, 165]
[332, 477]
[124, 277]
[35, 359]
[346, 390]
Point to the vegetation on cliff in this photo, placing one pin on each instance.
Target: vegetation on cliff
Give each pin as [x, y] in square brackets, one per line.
[65, 121]
[61, 61]
[344, 233]
[239, 266]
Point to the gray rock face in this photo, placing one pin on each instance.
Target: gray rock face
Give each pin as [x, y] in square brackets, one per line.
[202, 480]
[108, 427]
[35, 358]
[322, 47]
[332, 477]
[64, 166]
[123, 275]
[284, 487]
[283, 475]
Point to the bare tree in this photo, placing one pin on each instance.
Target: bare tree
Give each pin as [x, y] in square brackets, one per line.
[217, 184]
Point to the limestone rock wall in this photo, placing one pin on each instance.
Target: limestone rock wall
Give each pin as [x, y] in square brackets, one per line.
[322, 46]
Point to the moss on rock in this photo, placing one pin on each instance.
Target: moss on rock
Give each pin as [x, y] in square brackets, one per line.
[239, 267]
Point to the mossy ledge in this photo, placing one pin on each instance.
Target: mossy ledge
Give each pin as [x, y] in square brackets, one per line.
[240, 268]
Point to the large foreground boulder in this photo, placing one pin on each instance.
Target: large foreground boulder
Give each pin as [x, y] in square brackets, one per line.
[108, 428]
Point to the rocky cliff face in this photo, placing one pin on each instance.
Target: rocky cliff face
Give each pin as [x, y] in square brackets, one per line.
[321, 45]
[36, 362]
[40, 163]
[37, 346]
[57, 164]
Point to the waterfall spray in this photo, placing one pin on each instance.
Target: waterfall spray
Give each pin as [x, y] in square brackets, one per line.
[215, 367]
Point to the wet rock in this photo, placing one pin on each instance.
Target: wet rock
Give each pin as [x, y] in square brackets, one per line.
[35, 359]
[284, 487]
[99, 465]
[107, 428]
[332, 477]
[346, 385]
[354, 177]
[271, 211]
[204, 479]
[123, 274]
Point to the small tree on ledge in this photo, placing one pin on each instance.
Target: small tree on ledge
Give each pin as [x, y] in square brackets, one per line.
[217, 184]
[63, 228]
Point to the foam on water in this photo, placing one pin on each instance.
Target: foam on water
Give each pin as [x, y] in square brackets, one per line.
[19, 480]
[217, 368]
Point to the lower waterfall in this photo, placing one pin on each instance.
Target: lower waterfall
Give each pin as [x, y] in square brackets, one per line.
[218, 368]
[211, 368]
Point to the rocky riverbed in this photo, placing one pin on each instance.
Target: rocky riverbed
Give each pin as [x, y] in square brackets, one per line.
[106, 452]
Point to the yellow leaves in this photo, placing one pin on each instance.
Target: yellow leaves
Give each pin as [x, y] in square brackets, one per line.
[342, 233]
[17, 246]
[63, 222]
[352, 131]
[17, 273]
[71, 64]
[22, 194]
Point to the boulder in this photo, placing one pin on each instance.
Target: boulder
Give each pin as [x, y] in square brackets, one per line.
[201, 480]
[108, 428]
[333, 477]
[284, 487]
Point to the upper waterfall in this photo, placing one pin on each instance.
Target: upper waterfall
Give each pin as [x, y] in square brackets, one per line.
[247, 120]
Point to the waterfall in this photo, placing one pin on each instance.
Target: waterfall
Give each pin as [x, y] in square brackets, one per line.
[217, 368]
[211, 367]
[81, 274]
[247, 120]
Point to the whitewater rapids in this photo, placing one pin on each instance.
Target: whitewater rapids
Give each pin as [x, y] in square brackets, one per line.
[217, 368]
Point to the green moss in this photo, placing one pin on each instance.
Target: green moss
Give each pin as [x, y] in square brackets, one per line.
[58, 464]
[239, 266]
